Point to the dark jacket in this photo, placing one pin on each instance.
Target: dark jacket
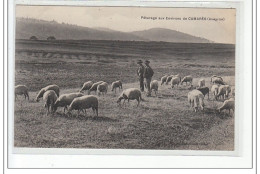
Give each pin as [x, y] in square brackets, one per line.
[148, 72]
[140, 71]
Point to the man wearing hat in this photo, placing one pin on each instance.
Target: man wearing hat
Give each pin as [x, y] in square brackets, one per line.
[140, 73]
[148, 74]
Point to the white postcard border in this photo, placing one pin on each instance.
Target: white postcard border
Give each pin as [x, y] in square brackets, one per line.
[18, 159]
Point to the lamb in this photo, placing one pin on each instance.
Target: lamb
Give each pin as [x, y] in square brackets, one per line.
[50, 87]
[175, 81]
[86, 86]
[223, 91]
[102, 88]
[116, 84]
[204, 91]
[196, 97]
[65, 100]
[154, 86]
[21, 90]
[228, 105]
[83, 103]
[163, 79]
[187, 79]
[201, 83]
[214, 89]
[49, 97]
[94, 87]
[130, 94]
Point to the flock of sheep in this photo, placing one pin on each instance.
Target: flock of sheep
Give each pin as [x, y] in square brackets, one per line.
[80, 102]
[196, 96]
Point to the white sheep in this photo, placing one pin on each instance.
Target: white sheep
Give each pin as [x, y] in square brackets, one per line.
[65, 100]
[223, 91]
[49, 97]
[195, 98]
[175, 81]
[86, 86]
[94, 87]
[201, 83]
[50, 87]
[116, 84]
[83, 103]
[218, 81]
[163, 79]
[228, 105]
[214, 89]
[130, 94]
[21, 90]
[102, 88]
[187, 79]
[214, 77]
[154, 86]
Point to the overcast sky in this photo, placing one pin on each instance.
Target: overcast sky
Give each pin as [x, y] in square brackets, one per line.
[130, 19]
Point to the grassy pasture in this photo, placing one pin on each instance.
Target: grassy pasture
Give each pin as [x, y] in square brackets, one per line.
[162, 122]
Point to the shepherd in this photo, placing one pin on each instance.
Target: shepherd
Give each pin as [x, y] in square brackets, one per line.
[148, 74]
[140, 73]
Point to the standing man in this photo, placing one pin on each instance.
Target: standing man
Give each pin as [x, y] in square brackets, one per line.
[148, 74]
[140, 73]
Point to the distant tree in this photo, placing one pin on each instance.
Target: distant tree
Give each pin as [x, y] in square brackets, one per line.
[33, 38]
[51, 38]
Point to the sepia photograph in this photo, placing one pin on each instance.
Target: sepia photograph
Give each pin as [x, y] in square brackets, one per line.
[147, 78]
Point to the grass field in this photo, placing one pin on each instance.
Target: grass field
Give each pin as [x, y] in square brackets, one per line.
[162, 122]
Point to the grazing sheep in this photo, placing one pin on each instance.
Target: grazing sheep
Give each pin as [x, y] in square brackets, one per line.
[215, 77]
[50, 87]
[65, 100]
[187, 79]
[223, 91]
[195, 98]
[204, 91]
[201, 83]
[228, 105]
[116, 84]
[175, 81]
[102, 88]
[168, 79]
[21, 90]
[163, 79]
[214, 89]
[154, 86]
[86, 86]
[218, 81]
[94, 87]
[49, 97]
[84, 102]
[130, 94]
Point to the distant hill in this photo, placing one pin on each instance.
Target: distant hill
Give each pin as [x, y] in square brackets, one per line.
[167, 35]
[27, 27]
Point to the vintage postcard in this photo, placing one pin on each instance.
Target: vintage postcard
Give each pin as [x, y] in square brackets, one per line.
[147, 78]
